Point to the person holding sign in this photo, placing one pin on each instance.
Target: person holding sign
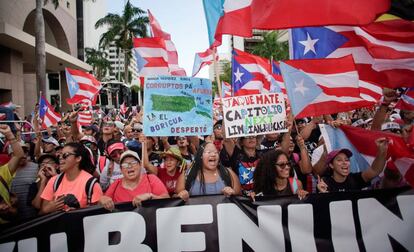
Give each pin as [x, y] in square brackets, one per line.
[207, 176]
[273, 176]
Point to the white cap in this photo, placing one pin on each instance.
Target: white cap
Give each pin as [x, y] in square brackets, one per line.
[390, 126]
[51, 140]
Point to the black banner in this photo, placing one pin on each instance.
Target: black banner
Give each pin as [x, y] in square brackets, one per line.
[380, 220]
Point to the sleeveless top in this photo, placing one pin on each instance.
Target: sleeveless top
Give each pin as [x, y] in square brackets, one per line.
[210, 188]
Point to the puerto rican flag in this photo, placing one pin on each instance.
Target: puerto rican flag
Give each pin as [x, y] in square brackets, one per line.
[227, 17]
[47, 114]
[277, 85]
[83, 87]
[362, 144]
[203, 59]
[383, 51]
[406, 101]
[226, 90]
[85, 118]
[322, 86]
[282, 14]
[175, 69]
[152, 56]
[251, 74]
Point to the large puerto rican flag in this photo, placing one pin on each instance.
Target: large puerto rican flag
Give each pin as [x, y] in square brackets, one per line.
[282, 14]
[152, 56]
[362, 144]
[322, 86]
[175, 69]
[82, 87]
[227, 17]
[383, 51]
[251, 74]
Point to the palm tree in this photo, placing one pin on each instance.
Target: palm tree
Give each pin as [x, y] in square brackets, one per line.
[271, 48]
[122, 30]
[40, 45]
[97, 59]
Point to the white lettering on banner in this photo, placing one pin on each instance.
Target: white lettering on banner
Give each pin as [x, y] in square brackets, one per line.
[234, 226]
[343, 227]
[300, 224]
[169, 222]
[131, 226]
[29, 245]
[7, 247]
[378, 223]
[58, 242]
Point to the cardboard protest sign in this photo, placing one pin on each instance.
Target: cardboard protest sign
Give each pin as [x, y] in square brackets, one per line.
[253, 115]
[177, 106]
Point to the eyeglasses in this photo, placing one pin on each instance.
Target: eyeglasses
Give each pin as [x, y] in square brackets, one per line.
[181, 138]
[283, 165]
[108, 124]
[130, 164]
[66, 155]
[211, 152]
[137, 130]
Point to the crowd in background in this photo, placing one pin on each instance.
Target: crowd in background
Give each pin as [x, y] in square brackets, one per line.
[110, 161]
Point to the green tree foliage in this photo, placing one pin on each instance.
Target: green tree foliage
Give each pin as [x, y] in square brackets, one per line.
[122, 30]
[97, 59]
[270, 47]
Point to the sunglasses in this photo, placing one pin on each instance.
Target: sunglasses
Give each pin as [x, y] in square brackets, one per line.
[128, 165]
[137, 130]
[66, 155]
[217, 127]
[108, 124]
[283, 165]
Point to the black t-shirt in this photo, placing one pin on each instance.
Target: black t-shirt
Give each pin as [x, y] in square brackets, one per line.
[155, 159]
[243, 165]
[354, 182]
[101, 146]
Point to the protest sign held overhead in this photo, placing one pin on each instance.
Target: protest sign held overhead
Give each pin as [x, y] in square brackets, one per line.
[253, 115]
[177, 106]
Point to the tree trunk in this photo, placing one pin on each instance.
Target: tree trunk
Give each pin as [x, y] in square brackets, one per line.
[40, 51]
[126, 64]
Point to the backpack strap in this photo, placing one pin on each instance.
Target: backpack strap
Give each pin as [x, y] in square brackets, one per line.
[5, 184]
[57, 182]
[101, 163]
[89, 189]
[293, 184]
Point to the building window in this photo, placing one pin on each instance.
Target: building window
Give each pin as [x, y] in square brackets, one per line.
[68, 4]
[53, 81]
[5, 60]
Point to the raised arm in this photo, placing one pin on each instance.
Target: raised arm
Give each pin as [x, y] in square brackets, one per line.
[15, 145]
[379, 162]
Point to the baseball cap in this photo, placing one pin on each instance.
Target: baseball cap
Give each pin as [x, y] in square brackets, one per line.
[390, 126]
[88, 139]
[334, 153]
[47, 155]
[129, 153]
[115, 146]
[51, 140]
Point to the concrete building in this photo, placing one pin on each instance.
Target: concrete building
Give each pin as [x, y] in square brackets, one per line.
[224, 58]
[17, 51]
[247, 44]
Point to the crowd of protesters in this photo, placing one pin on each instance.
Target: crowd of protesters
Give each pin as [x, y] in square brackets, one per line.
[110, 161]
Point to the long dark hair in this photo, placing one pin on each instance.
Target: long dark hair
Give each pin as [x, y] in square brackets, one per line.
[264, 176]
[196, 168]
[81, 151]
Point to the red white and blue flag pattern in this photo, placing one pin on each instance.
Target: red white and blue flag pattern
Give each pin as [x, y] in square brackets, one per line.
[47, 114]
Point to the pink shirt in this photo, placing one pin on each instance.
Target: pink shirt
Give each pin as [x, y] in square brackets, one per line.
[147, 184]
[75, 187]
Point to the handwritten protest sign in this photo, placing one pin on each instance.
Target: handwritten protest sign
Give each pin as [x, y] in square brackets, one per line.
[177, 106]
[253, 115]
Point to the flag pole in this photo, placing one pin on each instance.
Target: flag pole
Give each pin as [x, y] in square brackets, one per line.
[216, 72]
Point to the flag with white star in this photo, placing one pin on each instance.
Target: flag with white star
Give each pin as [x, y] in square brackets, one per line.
[322, 86]
[251, 74]
[82, 86]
